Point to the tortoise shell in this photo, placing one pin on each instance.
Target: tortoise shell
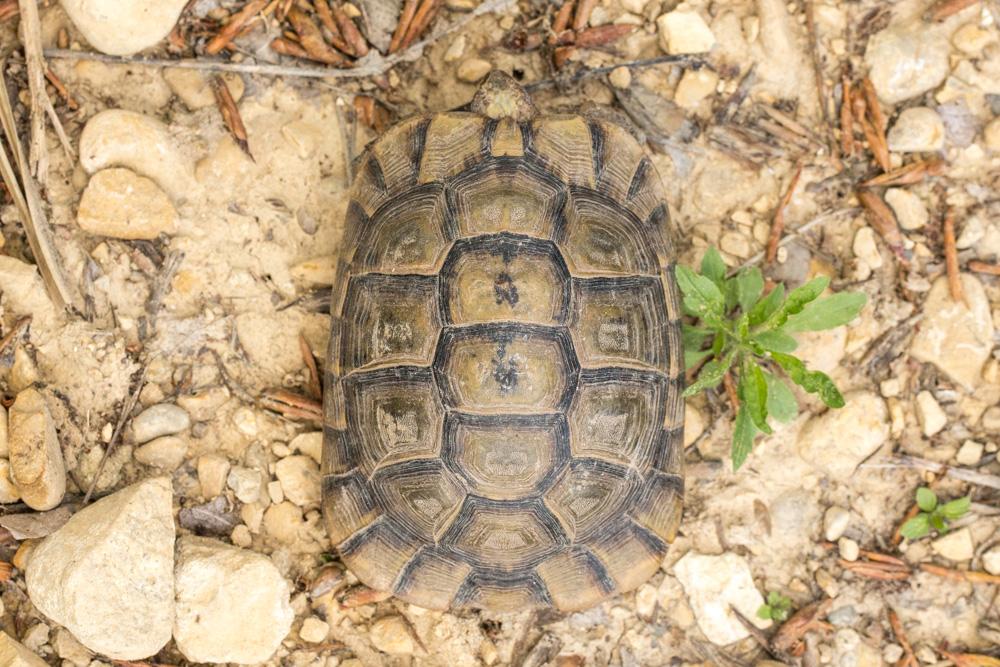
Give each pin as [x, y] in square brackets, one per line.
[503, 411]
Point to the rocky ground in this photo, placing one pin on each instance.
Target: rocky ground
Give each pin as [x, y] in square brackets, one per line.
[195, 264]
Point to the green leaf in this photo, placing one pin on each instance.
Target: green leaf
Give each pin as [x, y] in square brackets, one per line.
[711, 374]
[916, 527]
[764, 612]
[938, 523]
[768, 305]
[753, 392]
[797, 300]
[701, 296]
[926, 499]
[712, 266]
[694, 357]
[743, 434]
[814, 382]
[827, 313]
[956, 509]
[749, 285]
[775, 341]
[781, 403]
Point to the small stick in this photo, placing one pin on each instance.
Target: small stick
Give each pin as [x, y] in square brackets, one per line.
[421, 20]
[14, 334]
[231, 114]
[123, 417]
[730, 386]
[875, 570]
[984, 267]
[846, 119]
[917, 463]
[897, 535]
[357, 43]
[325, 15]
[790, 123]
[951, 259]
[970, 659]
[816, 61]
[908, 174]
[942, 10]
[8, 9]
[561, 21]
[234, 26]
[313, 385]
[405, 18]
[778, 224]
[960, 575]
[908, 659]
[61, 89]
[883, 558]
[601, 35]
[584, 9]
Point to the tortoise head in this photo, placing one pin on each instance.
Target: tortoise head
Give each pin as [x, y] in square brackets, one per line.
[500, 96]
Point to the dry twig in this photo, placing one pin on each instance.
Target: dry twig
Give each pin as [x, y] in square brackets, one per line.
[355, 42]
[960, 575]
[405, 19]
[313, 386]
[425, 13]
[234, 27]
[778, 224]
[292, 406]
[14, 334]
[584, 8]
[908, 659]
[790, 637]
[311, 39]
[846, 117]
[971, 659]
[909, 174]
[984, 267]
[123, 417]
[951, 258]
[917, 463]
[880, 217]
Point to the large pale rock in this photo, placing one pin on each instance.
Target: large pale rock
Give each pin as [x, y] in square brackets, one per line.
[15, 654]
[906, 60]
[300, 480]
[955, 337]
[123, 27]
[107, 574]
[119, 138]
[232, 604]
[36, 460]
[837, 441]
[713, 585]
[123, 205]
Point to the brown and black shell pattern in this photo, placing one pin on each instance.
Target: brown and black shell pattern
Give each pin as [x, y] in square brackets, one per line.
[503, 411]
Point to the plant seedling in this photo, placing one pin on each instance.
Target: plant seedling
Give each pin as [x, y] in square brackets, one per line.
[742, 330]
[777, 608]
[933, 514]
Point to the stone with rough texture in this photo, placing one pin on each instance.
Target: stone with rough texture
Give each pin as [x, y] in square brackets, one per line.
[954, 337]
[232, 604]
[36, 461]
[837, 441]
[9, 492]
[850, 650]
[906, 60]
[246, 484]
[932, 417]
[166, 452]
[714, 584]
[123, 27]
[107, 574]
[391, 634]
[684, 31]
[123, 205]
[956, 545]
[314, 630]
[213, 473]
[15, 654]
[917, 130]
[694, 86]
[159, 420]
[299, 477]
[909, 209]
[310, 444]
[970, 453]
[119, 138]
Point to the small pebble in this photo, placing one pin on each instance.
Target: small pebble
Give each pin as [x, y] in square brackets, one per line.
[684, 31]
[274, 492]
[473, 70]
[892, 653]
[991, 135]
[735, 244]
[917, 130]
[241, 536]
[849, 549]
[991, 419]
[991, 560]
[932, 417]
[36, 461]
[906, 60]
[620, 77]
[123, 205]
[890, 388]
[694, 86]
[159, 420]
[166, 453]
[212, 472]
[866, 248]
[956, 545]
[245, 483]
[204, 405]
[8, 491]
[835, 522]
[970, 453]
[313, 630]
[391, 634]
[310, 444]
[908, 207]
[299, 477]
[645, 601]
[455, 50]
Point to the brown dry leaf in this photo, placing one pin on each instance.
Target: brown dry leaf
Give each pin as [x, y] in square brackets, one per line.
[946, 8]
[909, 174]
[971, 659]
[231, 114]
[601, 35]
[358, 45]
[789, 639]
[311, 38]
[984, 267]
[216, 517]
[234, 27]
[881, 217]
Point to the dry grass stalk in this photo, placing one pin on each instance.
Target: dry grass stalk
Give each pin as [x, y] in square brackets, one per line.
[908, 659]
[882, 558]
[960, 575]
[873, 569]
[778, 224]
[790, 637]
[908, 174]
[846, 118]
[405, 19]
[313, 385]
[231, 114]
[584, 9]
[292, 406]
[357, 43]
[946, 8]
[325, 16]
[421, 20]
[601, 35]
[984, 267]
[790, 123]
[28, 202]
[311, 39]
[874, 108]
[234, 26]
[15, 334]
[360, 595]
[61, 89]
[880, 217]
[951, 259]
[816, 61]
[123, 417]
[38, 154]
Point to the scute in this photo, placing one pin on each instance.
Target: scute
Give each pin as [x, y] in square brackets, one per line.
[503, 419]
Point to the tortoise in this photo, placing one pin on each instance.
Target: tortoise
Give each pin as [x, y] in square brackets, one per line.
[503, 418]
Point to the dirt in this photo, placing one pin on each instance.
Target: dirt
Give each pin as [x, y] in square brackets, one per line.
[257, 232]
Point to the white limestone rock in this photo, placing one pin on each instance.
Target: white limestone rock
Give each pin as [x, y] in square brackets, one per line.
[714, 584]
[838, 440]
[123, 27]
[120, 204]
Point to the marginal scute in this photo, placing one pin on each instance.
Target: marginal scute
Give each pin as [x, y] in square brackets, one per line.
[454, 142]
[433, 578]
[390, 320]
[563, 143]
[658, 506]
[505, 593]
[420, 496]
[575, 579]
[348, 506]
[378, 554]
[398, 153]
[631, 554]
